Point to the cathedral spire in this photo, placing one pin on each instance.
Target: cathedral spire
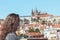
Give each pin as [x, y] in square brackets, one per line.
[36, 10]
[32, 12]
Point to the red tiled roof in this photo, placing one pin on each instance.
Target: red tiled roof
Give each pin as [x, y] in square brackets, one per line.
[43, 15]
[56, 25]
[34, 34]
[43, 27]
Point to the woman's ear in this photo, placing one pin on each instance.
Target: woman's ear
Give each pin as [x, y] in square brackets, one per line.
[1, 27]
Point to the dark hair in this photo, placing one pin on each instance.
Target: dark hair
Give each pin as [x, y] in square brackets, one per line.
[10, 25]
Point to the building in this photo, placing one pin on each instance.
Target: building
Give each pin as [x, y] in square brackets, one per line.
[41, 17]
[56, 19]
[28, 18]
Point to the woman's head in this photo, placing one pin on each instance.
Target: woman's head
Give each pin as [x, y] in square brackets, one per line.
[11, 24]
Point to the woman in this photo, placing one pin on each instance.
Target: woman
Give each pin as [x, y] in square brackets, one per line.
[11, 24]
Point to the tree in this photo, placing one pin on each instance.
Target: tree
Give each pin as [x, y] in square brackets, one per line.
[54, 21]
[26, 21]
[37, 30]
[43, 22]
[31, 30]
[34, 20]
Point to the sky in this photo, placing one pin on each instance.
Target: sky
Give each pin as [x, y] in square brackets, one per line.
[24, 7]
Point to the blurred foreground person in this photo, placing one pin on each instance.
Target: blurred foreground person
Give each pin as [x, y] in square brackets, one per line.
[11, 24]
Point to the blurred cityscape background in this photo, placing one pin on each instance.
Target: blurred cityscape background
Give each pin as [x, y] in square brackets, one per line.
[39, 25]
